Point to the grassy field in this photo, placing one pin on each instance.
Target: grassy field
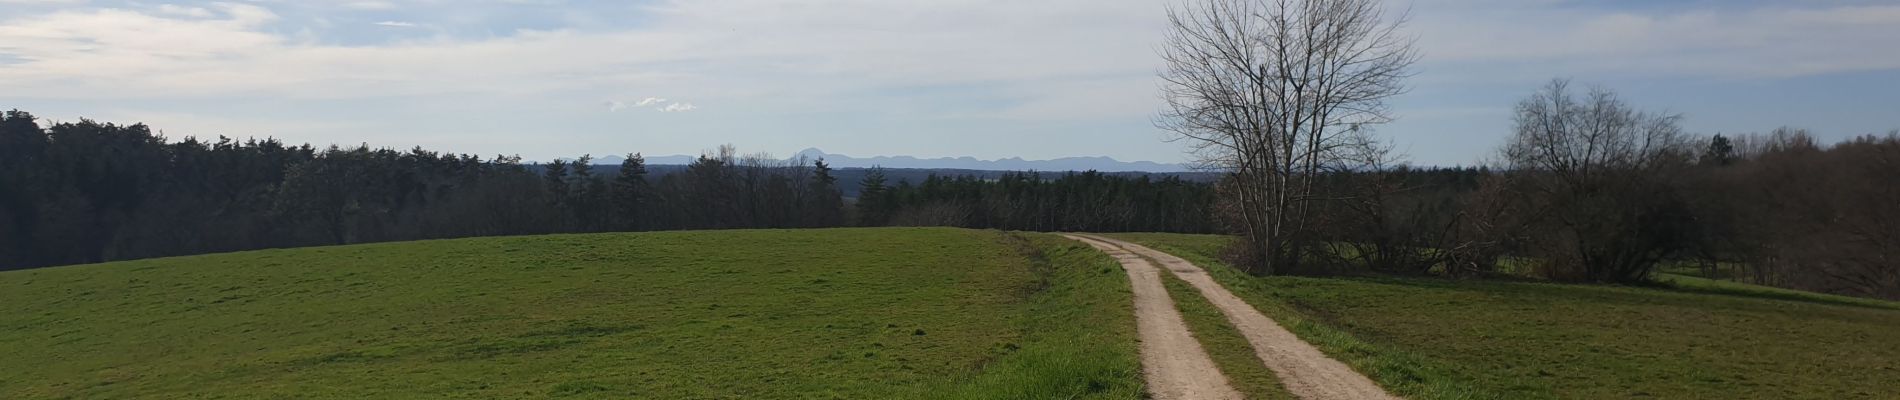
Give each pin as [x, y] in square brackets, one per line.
[885, 313]
[1437, 339]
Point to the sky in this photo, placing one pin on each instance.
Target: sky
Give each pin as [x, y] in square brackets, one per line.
[929, 78]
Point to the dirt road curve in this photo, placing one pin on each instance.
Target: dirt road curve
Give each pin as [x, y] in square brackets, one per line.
[1303, 369]
[1174, 364]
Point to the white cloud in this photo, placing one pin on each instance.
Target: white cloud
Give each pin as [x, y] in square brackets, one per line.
[370, 5]
[397, 24]
[617, 105]
[98, 49]
[749, 49]
[194, 12]
[678, 107]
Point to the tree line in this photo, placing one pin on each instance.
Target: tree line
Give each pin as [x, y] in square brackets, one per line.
[88, 192]
[1076, 202]
[84, 192]
[1784, 209]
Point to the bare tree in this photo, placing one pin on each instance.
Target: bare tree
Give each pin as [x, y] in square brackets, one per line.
[1271, 91]
[1600, 180]
[1579, 138]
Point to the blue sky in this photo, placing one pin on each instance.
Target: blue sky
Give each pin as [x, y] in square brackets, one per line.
[983, 78]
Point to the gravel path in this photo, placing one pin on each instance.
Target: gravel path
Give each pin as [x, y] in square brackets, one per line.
[1173, 363]
[1303, 369]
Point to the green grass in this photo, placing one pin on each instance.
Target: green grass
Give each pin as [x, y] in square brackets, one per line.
[1429, 339]
[851, 313]
[1079, 334]
[1223, 343]
[1687, 280]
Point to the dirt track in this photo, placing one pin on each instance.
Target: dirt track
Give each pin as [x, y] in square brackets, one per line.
[1173, 363]
[1303, 369]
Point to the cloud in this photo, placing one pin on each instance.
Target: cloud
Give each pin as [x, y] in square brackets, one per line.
[829, 48]
[194, 12]
[370, 5]
[645, 103]
[1745, 41]
[93, 50]
[985, 65]
[94, 53]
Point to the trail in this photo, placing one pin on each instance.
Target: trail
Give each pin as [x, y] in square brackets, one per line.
[1173, 363]
[1303, 369]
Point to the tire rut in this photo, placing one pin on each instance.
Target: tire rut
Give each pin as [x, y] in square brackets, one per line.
[1303, 369]
[1173, 363]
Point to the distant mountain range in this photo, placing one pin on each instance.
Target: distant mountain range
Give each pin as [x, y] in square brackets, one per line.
[1104, 164]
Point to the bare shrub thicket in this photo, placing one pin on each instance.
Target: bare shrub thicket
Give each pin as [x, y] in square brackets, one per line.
[1388, 217]
[1813, 218]
[1597, 181]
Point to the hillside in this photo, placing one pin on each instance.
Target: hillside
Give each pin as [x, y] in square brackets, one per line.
[851, 313]
[876, 313]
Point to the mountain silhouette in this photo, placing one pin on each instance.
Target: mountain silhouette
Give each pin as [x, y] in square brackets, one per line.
[1104, 164]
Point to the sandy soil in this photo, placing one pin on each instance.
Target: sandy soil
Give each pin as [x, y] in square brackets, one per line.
[1173, 363]
[1303, 369]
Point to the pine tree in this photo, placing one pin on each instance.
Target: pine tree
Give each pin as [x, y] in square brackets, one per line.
[826, 206]
[583, 193]
[630, 193]
[556, 180]
[22, 146]
[556, 176]
[871, 197]
[710, 193]
[1719, 153]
